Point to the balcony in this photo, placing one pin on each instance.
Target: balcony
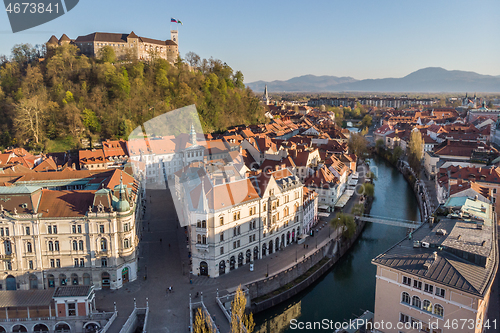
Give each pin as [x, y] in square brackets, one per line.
[202, 247]
[9, 256]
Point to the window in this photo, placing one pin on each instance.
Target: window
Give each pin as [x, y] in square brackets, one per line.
[52, 263]
[6, 231]
[236, 216]
[56, 245]
[254, 223]
[51, 246]
[238, 243]
[126, 227]
[221, 220]
[438, 310]
[82, 262]
[79, 229]
[104, 262]
[405, 298]
[440, 292]
[428, 288]
[415, 301]
[126, 243]
[234, 245]
[104, 244]
[1, 232]
[75, 245]
[264, 207]
[253, 237]
[54, 229]
[30, 264]
[29, 247]
[198, 224]
[58, 263]
[76, 262]
[204, 224]
[406, 280]
[101, 228]
[404, 318]
[250, 238]
[80, 245]
[221, 236]
[222, 250]
[8, 265]
[427, 305]
[28, 231]
[71, 309]
[73, 229]
[239, 230]
[8, 247]
[417, 284]
[49, 229]
[198, 239]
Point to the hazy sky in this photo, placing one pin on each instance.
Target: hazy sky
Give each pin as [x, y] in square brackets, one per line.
[277, 40]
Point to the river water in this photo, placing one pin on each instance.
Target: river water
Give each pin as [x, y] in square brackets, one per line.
[349, 288]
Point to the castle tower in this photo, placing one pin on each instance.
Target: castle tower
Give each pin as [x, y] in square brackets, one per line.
[192, 136]
[174, 35]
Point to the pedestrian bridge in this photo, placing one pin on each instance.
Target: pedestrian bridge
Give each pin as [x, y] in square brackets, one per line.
[390, 221]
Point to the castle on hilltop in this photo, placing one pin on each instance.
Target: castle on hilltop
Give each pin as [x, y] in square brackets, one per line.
[142, 48]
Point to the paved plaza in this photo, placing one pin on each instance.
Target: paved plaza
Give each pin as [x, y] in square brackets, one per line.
[163, 258]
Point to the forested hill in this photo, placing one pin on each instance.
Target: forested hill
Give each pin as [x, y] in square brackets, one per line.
[51, 104]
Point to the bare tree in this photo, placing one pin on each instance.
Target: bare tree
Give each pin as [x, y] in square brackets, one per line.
[29, 117]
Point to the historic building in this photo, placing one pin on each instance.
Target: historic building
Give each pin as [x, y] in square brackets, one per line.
[142, 48]
[441, 274]
[240, 221]
[68, 228]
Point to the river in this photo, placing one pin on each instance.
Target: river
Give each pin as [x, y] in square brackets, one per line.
[349, 288]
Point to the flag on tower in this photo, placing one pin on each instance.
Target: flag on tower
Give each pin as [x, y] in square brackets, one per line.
[179, 21]
[173, 20]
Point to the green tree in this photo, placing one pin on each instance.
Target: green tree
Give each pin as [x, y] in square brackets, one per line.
[107, 54]
[366, 121]
[346, 223]
[357, 144]
[396, 154]
[240, 321]
[368, 190]
[358, 209]
[415, 151]
[90, 121]
[379, 144]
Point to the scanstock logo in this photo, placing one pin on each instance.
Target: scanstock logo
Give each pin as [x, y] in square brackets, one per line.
[26, 14]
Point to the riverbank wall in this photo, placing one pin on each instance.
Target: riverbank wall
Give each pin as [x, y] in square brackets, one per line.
[278, 288]
[418, 187]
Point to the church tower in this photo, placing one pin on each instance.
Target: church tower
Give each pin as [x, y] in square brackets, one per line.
[265, 96]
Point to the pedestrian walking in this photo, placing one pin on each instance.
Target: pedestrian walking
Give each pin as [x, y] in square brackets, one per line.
[170, 289]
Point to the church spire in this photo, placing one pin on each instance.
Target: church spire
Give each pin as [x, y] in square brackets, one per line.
[265, 96]
[192, 136]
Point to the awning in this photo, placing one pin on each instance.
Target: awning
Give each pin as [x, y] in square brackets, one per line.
[352, 182]
[324, 207]
[354, 175]
[344, 198]
[323, 214]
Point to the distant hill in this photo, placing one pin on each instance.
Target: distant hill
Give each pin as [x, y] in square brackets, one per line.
[302, 83]
[431, 79]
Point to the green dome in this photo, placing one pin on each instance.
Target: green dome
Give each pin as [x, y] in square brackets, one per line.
[121, 205]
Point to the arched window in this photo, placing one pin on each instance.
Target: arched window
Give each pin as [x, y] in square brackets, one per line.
[234, 231]
[56, 245]
[427, 305]
[104, 244]
[51, 246]
[221, 220]
[75, 245]
[198, 239]
[415, 301]
[204, 224]
[80, 245]
[204, 239]
[239, 230]
[405, 298]
[126, 243]
[29, 247]
[438, 310]
[198, 224]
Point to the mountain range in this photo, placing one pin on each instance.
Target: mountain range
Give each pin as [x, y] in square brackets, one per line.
[430, 79]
